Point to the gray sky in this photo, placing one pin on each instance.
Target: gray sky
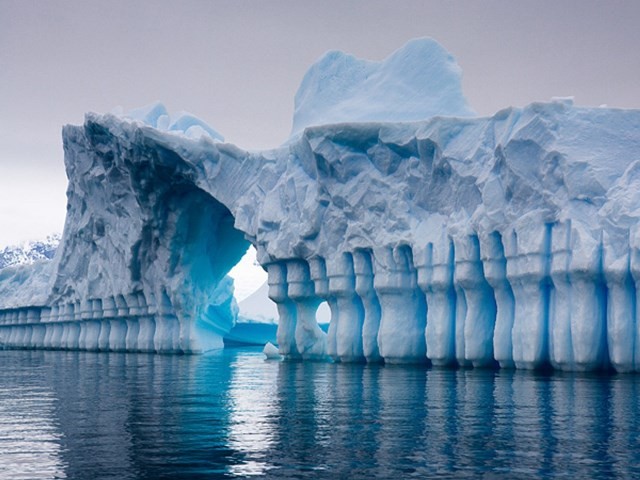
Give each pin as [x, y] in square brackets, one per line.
[237, 64]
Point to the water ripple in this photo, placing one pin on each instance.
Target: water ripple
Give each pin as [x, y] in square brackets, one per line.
[232, 415]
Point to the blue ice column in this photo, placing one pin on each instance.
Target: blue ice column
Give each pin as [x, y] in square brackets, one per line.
[588, 301]
[318, 272]
[350, 311]
[435, 266]
[133, 327]
[527, 253]
[92, 326]
[39, 329]
[474, 339]
[18, 332]
[577, 308]
[310, 339]
[495, 272]
[403, 308]
[560, 308]
[167, 331]
[363, 270]
[118, 326]
[72, 329]
[69, 327]
[85, 315]
[278, 293]
[109, 311]
[621, 301]
[635, 272]
[146, 322]
[47, 341]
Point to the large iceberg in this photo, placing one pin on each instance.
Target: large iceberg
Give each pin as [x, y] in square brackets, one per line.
[458, 240]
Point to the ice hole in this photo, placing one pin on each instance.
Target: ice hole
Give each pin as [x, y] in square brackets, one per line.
[323, 315]
[248, 276]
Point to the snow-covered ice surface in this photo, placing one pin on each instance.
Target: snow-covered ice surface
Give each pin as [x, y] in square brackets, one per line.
[508, 240]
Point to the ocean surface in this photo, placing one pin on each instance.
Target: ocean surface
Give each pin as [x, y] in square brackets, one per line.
[231, 414]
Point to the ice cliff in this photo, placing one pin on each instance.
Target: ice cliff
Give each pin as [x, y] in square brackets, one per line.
[509, 240]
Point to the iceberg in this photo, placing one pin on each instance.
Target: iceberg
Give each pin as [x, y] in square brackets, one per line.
[439, 237]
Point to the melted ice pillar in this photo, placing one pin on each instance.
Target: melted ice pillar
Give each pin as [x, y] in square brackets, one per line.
[635, 272]
[474, 338]
[350, 311]
[527, 252]
[279, 294]
[363, 269]
[495, 272]
[577, 309]
[310, 339]
[402, 304]
[318, 272]
[621, 301]
[435, 278]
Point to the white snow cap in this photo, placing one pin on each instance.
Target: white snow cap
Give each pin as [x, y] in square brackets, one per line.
[416, 82]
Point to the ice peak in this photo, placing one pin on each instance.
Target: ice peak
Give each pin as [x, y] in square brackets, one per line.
[418, 81]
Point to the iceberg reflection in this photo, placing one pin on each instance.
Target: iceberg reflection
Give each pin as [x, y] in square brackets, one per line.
[233, 415]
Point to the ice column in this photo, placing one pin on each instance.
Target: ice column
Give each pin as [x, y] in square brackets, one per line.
[624, 334]
[39, 330]
[167, 333]
[495, 272]
[578, 301]
[435, 278]
[318, 272]
[621, 303]
[92, 326]
[363, 270]
[146, 324]
[109, 311]
[527, 252]
[118, 330]
[133, 327]
[350, 311]
[310, 339]
[85, 314]
[278, 293]
[479, 322]
[560, 308]
[402, 304]
[588, 317]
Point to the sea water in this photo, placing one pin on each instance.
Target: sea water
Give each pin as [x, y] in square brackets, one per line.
[230, 414]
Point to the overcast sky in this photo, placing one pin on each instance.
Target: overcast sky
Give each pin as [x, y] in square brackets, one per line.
[237, 65]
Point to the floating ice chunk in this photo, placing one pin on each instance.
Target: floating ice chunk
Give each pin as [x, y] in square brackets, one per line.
[271, 352]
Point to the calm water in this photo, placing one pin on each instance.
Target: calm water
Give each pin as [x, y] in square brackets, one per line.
[232, 415]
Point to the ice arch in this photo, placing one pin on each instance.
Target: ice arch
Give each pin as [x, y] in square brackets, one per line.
[145, 251]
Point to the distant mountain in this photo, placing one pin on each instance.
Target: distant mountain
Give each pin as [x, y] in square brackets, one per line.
[29, 252]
